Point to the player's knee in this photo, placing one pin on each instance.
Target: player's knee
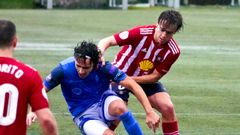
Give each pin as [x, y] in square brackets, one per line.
[168, 113]
[168, 109]
[117, 107]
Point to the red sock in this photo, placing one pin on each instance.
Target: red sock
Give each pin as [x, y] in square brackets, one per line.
[170, 128]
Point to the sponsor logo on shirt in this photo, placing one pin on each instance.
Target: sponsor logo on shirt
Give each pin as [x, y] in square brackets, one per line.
[146, 65]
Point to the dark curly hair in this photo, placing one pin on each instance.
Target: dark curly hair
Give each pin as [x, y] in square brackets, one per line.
[87, 50]
[172, 17]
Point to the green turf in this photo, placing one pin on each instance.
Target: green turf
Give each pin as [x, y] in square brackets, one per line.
[204, 83]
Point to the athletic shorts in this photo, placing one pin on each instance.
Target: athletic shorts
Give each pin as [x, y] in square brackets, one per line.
[149, 89]
[98, 112]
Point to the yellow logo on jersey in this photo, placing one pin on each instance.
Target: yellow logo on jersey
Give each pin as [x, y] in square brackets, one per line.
[146, 65]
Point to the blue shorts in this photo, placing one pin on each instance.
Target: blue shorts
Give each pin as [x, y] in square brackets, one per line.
[149, 89]
[98, 111]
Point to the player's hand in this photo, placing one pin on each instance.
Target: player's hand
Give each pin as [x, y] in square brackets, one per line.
[101, 57]
[153, 121]
[31, 117]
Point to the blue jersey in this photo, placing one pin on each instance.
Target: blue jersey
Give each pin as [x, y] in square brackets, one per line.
[80, 93]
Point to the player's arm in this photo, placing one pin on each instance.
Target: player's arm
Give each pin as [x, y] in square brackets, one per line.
[54, 78]
[47, 121]
[31, 116]
[151, 78]
[152, 119]
[158, 72]
[104, 44]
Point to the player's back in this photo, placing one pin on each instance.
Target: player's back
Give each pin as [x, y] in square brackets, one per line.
[17, 82]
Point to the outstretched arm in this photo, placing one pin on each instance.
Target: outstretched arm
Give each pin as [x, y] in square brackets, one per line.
[106, 43]
[152, 119]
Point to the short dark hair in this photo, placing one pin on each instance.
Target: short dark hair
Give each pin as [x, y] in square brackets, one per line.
[7, 32]
[172, 17]
[87, 50]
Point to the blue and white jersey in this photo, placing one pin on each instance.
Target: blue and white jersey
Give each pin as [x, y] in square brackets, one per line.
[80, 93]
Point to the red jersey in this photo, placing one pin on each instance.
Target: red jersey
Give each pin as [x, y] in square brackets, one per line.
[140, 55]
[20, 85]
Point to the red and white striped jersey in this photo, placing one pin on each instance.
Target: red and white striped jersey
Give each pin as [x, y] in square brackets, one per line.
[20, 86]
[140, 55]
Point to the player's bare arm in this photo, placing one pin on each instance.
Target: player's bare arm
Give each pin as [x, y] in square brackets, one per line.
[31, 116]
[48, 125]
[104, 44]
[152, 119]
[151, 78]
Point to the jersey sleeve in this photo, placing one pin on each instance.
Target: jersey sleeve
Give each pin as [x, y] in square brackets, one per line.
[115, 74]
[166, 64]
[128, 37]
[38, 96]
[54, 78]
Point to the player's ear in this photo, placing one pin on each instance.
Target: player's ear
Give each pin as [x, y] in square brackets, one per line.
[14, 41]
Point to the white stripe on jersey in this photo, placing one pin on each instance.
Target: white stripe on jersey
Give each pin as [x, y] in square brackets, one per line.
[156, 53]
[136, 73]
[173, 47]
[135, 53]
[123, 56]
[165, 56]
[144, 31]
[149, 51]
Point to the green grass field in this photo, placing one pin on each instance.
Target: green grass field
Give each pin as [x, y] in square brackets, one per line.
[204, 83]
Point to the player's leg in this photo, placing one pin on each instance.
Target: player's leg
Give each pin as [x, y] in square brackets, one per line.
[161, 101]
[124, 95]
[114, 107]
[100, 128]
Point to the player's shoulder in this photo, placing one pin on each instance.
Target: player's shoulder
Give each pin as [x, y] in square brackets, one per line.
[25, 66]
[24, 69]
[174, 47]
[108, 67]
[146, 29]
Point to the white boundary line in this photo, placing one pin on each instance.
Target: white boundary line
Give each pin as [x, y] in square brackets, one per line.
[69, 47]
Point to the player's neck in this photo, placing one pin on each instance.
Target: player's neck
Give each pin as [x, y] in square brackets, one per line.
[6, 53]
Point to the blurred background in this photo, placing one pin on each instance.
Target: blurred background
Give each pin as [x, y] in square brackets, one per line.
[105, 4]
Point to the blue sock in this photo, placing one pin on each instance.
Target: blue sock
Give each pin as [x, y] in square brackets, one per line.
[130, 124]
